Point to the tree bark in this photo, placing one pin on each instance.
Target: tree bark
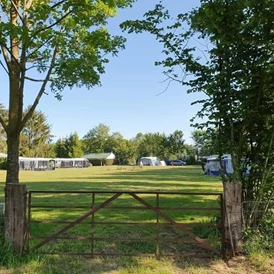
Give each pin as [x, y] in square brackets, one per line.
[15, 199]
[233, 217]
[15, 216]
[13, 159]
[15, 100]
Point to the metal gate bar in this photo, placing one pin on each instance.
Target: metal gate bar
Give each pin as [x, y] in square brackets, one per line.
[146, 206]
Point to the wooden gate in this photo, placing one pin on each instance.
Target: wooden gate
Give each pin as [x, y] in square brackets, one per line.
[55, 217]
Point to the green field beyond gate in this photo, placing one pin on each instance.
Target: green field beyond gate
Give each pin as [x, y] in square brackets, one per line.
[64, 208]
[188, 178]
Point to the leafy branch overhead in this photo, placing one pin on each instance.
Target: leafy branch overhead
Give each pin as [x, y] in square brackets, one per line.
[182, 59]
[55, 43]
[224, 49]
[76, 29]
[174, 44]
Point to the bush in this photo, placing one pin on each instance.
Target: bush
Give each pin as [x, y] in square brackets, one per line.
[261, 238]
[1, 223]
[3, 163]
[191, 161]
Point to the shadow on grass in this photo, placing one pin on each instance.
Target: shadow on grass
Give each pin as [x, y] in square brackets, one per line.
[155, 179]
[124, 186]
[171, 174]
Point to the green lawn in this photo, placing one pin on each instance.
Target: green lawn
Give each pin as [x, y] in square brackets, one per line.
[119, 178]
[181, 179]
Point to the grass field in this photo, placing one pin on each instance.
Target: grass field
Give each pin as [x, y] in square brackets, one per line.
[181, 179]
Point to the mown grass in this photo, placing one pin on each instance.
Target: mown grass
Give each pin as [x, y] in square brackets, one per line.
[182, 179]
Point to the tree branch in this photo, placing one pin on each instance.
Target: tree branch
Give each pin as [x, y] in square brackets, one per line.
[57, 4]
[42, 90]
[162, 36]
[28, 4]
[16, 9]
[34, 80]
[4, 125]
[55, 23]
[169, 82]
[23, 58]
[35, 66]
[1, 63]
[6, 50]
[5, 54]
[28, 56]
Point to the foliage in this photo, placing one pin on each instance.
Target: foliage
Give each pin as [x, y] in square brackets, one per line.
[3, 136]
[100, 139]
[112, 141]
[57, 43]
[190, 150]
[175, 143]
[160, 145]
[73, 146]
[153, 144]
[125, 151]
[261, 237]
[69, 147]
[234, 69]
[205, 142]
[156, 144]
[3, 163]
[36, 137]
[60, 149]
[95, 140]
[191, 160]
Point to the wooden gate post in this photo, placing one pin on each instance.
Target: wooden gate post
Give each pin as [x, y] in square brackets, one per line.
[15, 216]
[233, 217]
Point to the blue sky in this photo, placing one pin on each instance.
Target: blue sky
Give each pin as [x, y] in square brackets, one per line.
[128, 99]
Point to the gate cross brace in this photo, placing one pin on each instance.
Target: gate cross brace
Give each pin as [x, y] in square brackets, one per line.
[164, 216]
[79, 220]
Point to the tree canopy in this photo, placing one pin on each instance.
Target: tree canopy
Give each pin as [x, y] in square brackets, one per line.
[36, 136]
[96, 139]
[56, 43]
[101, 139]
[69, 147]
[205, 142]
[224, 49]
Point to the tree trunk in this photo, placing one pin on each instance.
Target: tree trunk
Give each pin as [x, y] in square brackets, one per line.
[15, 202]
[15, 199]
[13, 159]
[233, 217]
[15, 216]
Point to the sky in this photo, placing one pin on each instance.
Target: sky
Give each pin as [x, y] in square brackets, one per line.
[131, 98]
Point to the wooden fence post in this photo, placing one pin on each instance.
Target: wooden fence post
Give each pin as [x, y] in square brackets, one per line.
[15, 216]
[233, 217]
